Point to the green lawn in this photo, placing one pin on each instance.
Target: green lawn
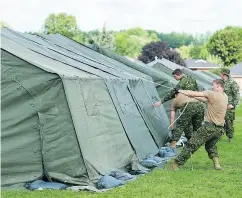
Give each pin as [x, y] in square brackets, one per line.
[203, 181]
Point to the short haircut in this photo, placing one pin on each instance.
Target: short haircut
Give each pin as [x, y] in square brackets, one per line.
[219, 82]
[177, 72]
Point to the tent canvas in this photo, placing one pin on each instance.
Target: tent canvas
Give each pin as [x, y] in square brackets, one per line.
[74, 119]
[213, 75]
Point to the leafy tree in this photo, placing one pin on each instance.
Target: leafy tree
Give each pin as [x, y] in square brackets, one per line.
[227, 44]
[201, 39]
[91, 34]
[214, 59]
[174, 39]
[61, 23]
[105, 39]
[204, 54]
[184, 51]
[79, 37]
[198, 52]
[130, 42]
[137, 32]
[127, 45]
[161, 50]
[195, 52]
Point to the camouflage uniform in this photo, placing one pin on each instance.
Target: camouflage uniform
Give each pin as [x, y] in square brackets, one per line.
[231, 89]
[184, 122]
[193, 115]
[185, 83]
[205, 134]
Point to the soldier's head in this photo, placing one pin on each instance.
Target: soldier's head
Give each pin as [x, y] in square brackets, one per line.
[218, 85]
[177, 74]
[224, 73]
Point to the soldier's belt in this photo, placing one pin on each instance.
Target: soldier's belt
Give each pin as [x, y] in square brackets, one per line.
[211, 124]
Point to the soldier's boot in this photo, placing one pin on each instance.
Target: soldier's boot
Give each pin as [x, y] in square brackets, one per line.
[174, 166]
[230, 140]
[173, 144]
[217, 164]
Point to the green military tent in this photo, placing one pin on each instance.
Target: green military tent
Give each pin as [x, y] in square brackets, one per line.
[70, 114]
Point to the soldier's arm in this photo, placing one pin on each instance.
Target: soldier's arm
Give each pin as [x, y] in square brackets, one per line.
[193, 94]
[169, 96]
[184, 83]
[172, 118]
[202, 99]
[173, 104]
[236, 93]
[173, 113]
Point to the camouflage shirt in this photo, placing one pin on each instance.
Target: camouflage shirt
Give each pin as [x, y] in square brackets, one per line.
[185, 83]
[231, 88]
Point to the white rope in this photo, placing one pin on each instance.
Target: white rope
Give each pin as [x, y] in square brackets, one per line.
[61, 52]
[179, 115]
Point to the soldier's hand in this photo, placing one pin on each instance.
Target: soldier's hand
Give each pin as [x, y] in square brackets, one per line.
[176, 90]
[230, 107]
[156, 104]
[172, 126]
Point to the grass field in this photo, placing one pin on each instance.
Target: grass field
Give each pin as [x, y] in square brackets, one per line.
[202, 182]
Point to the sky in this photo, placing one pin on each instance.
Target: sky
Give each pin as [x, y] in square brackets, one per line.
[191, 16]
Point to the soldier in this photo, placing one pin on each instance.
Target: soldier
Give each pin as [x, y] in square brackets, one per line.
[185, 83]
[212, 128]
[231, 88]
[192, 115]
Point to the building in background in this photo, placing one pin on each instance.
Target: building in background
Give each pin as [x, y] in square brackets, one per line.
[200, 64]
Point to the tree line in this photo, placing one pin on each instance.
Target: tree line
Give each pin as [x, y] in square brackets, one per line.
[223, 47]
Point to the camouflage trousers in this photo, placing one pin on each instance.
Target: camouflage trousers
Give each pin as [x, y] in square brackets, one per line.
[190, 121]
[229, 123]
[205, 134]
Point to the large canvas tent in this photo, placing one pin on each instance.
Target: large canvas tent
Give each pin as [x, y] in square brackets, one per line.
[71, 115]
[210, 77]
